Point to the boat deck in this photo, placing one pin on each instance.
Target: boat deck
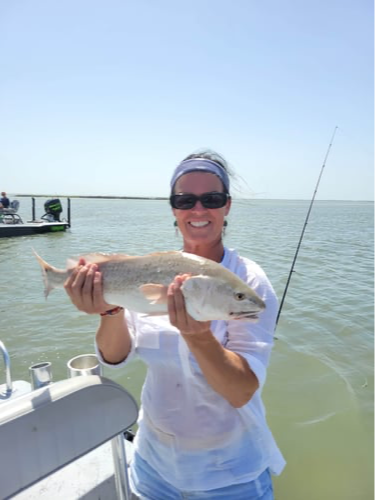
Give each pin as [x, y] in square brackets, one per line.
[88, 478]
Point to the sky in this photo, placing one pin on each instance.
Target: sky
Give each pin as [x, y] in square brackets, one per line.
[105, 98]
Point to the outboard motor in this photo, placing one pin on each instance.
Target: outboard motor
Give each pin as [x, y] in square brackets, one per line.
[53, 210]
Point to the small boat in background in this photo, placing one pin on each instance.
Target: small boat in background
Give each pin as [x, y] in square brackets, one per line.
[11, 223]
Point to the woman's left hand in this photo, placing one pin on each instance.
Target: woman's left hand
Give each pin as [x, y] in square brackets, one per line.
[178, 315]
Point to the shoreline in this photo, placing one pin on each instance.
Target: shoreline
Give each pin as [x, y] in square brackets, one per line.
[93, 197]
[166, 198]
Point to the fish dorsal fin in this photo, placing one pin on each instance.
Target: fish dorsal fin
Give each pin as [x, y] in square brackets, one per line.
[162, 254]
[155, 293]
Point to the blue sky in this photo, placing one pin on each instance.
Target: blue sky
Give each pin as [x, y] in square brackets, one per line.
[106, 97]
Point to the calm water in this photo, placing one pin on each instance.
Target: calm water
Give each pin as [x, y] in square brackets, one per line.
[319, 391]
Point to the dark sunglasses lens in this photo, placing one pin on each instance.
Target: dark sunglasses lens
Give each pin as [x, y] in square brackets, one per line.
[214, 200]
[183, 201]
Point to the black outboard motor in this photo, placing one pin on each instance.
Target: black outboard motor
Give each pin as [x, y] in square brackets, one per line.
[53, 210]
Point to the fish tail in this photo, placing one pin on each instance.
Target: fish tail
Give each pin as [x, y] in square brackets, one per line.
[46, 270]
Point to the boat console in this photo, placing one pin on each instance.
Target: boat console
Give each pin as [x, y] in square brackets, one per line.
[57, 438]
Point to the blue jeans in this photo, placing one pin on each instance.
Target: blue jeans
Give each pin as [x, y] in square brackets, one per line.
[148, 485]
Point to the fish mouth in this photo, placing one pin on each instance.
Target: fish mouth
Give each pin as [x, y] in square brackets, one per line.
[244, 315]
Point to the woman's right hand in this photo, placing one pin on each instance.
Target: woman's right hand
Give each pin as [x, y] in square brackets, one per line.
[84, 287]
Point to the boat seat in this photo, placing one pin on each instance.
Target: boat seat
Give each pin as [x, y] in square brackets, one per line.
[14, 205]
[49, 428]
[12, 209]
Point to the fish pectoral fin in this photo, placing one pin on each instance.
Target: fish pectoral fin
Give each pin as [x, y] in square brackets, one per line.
[155, 293]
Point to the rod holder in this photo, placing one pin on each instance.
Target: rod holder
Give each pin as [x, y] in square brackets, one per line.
[41, 374]
[84, 364]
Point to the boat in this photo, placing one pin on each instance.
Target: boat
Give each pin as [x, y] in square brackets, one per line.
[69, 439]
[11, 224]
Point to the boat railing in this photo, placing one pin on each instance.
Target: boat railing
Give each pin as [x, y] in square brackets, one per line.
[11, 389]
[8, 378]
[9, 218]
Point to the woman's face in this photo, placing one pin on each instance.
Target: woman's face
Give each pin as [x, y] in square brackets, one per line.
[200, 225]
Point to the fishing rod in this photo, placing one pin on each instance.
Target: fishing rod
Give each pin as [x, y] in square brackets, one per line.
[304, 226]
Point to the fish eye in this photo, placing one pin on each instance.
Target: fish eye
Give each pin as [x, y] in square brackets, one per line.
[239, 296]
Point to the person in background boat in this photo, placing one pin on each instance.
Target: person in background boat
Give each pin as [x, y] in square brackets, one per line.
[202, 431]
[4, 201]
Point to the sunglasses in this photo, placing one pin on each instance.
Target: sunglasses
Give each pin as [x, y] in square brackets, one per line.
[186, 201]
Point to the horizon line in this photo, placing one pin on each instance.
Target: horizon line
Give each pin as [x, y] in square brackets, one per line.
[166, 198]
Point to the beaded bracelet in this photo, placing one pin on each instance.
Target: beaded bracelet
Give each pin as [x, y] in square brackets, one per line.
[112, 312]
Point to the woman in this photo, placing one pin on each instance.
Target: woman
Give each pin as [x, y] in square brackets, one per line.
[202, 429]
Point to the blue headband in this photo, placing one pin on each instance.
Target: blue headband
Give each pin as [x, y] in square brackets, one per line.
[200, 165]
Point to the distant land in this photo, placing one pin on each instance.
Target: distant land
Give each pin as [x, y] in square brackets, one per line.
[99, 197]
[94, 197]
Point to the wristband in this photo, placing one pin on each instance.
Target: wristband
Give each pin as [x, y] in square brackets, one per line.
[112, 312]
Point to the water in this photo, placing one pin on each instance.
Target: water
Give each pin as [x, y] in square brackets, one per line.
[319, 390]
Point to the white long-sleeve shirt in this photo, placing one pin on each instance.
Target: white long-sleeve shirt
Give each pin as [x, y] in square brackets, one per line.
[188, 432]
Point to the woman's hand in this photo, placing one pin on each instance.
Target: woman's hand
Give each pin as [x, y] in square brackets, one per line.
[84, 287]
[227, 372]
[178, 315]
